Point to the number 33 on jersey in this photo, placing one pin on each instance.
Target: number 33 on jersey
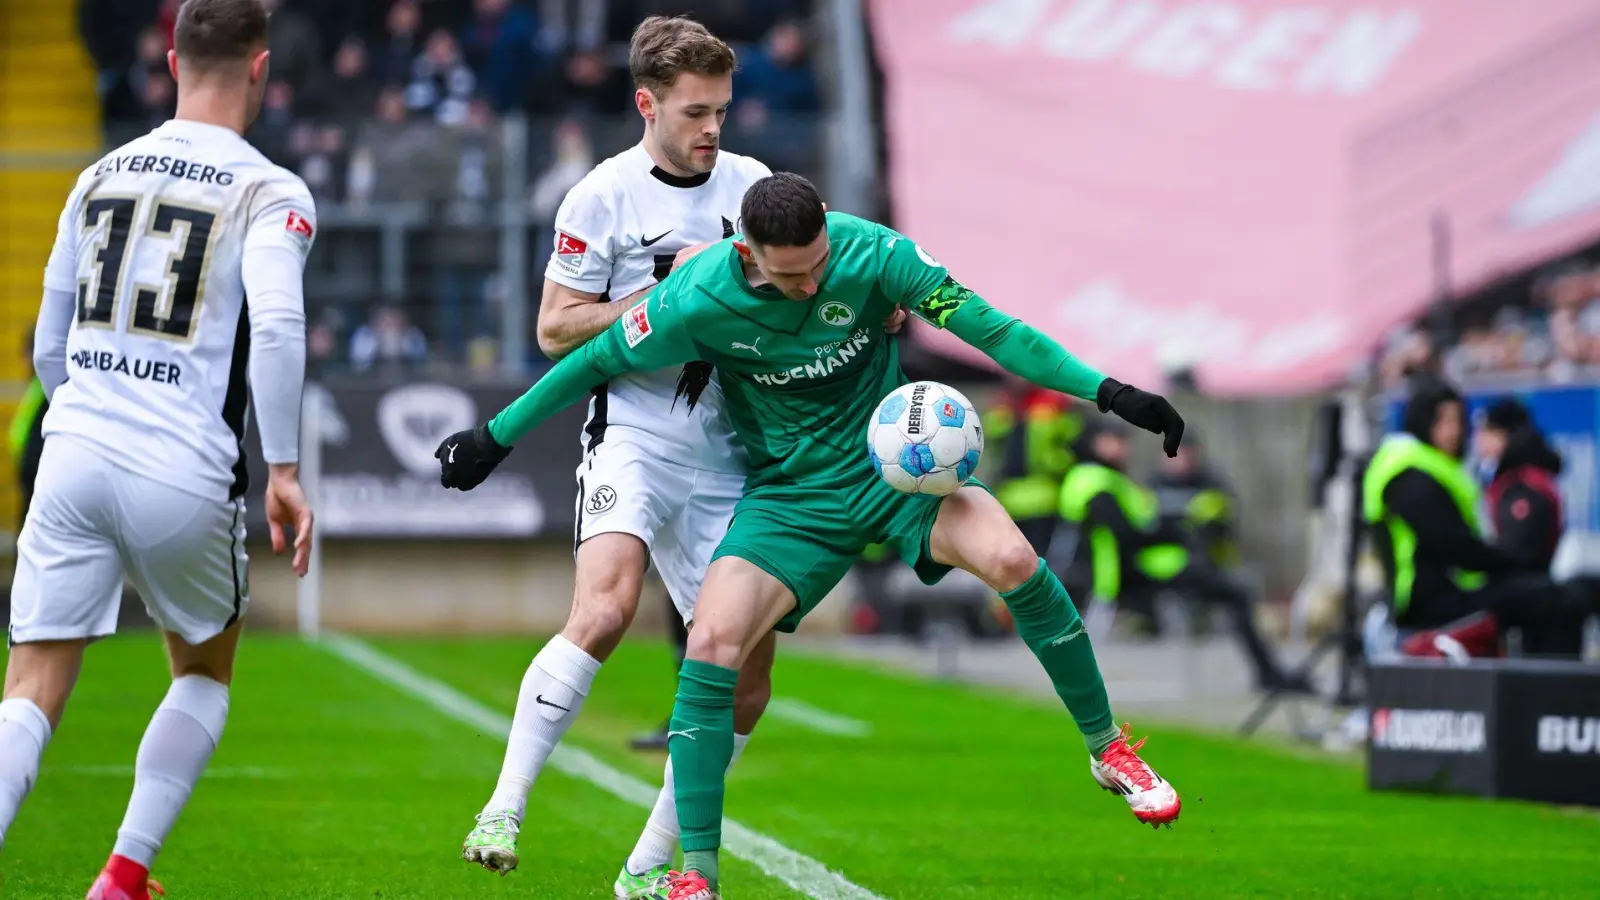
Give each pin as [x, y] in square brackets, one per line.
[150, 247]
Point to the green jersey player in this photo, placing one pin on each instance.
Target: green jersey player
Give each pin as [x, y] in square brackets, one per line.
[791, 315]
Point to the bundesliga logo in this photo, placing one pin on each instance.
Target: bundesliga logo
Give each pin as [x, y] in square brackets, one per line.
[1428, 730]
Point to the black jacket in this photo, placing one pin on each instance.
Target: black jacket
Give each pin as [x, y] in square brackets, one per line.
[1444, 539]
[1525, 501]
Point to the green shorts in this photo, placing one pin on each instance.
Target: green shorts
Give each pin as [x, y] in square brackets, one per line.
[809, 537]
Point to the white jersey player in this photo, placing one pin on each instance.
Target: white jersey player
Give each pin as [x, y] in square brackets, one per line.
[150, 354]
[661, 470]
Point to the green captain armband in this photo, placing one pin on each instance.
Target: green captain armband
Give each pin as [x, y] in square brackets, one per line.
[937, 308]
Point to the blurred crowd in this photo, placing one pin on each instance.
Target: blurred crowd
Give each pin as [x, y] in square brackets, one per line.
[383, 102]
[1545, 327]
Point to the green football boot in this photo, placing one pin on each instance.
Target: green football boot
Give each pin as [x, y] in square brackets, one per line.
[493, 844]
[652, 885]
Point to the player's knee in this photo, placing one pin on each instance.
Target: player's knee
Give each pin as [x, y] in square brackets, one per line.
[601, 620]
[719, 647]
[1013, 562]
[44, 674]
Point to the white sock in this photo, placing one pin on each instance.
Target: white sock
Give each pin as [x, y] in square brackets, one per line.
[552, 692]
[172, 756]
[24, 732]
[660, 838]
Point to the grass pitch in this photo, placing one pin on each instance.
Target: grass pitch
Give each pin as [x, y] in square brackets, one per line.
[333, 784]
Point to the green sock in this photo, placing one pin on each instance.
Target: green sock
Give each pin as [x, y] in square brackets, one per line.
[1051, 627]
[704, 862]
[701, 745]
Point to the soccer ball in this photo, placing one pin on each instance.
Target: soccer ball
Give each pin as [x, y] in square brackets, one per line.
[925, 438]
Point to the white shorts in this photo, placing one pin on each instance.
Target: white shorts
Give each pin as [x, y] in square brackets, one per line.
[91, 523]
[680, 513]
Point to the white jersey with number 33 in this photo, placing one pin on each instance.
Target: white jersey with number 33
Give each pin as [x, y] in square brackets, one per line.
[151, 245]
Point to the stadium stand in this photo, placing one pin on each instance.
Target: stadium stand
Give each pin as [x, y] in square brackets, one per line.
[406, 119]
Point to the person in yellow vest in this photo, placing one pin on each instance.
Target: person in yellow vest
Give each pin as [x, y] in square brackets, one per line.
[1422, 506]
[1193, 496]
[25, 437]
[1125, 555]
[1031, 432]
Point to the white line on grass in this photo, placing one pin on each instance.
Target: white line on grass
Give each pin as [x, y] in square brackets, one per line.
[805, 715]
[248, 773]
[796, 870]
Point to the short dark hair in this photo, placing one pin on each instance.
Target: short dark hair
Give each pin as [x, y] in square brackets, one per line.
[664, 47]
[782, 210]
[219, 30]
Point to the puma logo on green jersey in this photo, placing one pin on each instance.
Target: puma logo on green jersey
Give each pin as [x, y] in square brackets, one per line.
[845, 351]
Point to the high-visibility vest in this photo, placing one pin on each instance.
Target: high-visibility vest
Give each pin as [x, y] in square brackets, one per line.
[1398, 453]
[22, 420]
[1035, 452]
[1086, 481]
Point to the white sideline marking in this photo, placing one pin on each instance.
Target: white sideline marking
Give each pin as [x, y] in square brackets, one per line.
[805, 715]
[126, 771]
[798, 871]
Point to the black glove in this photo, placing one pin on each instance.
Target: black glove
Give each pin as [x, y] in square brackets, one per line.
[1149, 411]
[467, 457]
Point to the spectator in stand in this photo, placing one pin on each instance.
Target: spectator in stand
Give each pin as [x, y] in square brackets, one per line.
[351, 90]
[592, 85]
[387, 342]
[466, 251]
[1409, 351]
[401, 43]
[104, 26]
[399, 152]
[271, 131]
[296, 46]
[499, 41]
[775, 99]
[322, 341]
[776, 76]
[442, 84]
[320, 157]
[574, 157]
[572, 25]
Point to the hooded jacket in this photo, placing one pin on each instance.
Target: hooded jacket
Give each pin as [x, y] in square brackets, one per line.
[1524, 500]
[1445, 540]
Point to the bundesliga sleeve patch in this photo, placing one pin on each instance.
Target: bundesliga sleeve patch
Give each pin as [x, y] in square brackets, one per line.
[299, 225]
[570, 252]
[636, 323]
[943, 302]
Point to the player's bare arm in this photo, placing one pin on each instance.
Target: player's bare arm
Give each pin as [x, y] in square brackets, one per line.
[568, 318]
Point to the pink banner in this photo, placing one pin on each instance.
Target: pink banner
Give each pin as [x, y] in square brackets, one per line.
[1242, 187]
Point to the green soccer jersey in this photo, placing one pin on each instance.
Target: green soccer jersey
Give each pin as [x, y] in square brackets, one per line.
[800, 378]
